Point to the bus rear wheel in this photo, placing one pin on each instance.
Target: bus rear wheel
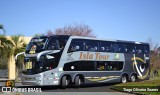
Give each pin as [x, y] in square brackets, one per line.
[64, 82]
[78, 81]
[133, 78]
[124, 79]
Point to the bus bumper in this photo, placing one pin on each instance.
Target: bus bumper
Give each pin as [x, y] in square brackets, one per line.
[32, 83]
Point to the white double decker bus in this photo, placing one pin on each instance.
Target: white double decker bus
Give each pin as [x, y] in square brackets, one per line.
[64, 60]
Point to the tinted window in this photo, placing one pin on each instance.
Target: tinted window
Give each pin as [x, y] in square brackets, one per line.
[115, 47]
[106, 46]
[109, 66]
[122, 48]
[93, 66]
[146, 49]
[79, 66]
[138, 49]
[37, 43]
[53, 44]
[91, 45]
[76, 45]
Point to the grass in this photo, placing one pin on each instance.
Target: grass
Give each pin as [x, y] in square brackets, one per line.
[152, 82]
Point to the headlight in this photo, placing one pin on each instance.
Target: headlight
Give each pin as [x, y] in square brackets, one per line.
[38, 77]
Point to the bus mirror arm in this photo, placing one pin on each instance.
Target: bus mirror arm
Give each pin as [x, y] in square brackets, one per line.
[46, 52]
[18, 55]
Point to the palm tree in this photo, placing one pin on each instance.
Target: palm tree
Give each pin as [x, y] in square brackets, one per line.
[3, 44]
[8, 49]
[19, 43]
[5, 48]
[18, 46]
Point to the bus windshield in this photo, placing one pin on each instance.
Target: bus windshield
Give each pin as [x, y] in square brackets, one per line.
[32, 66]
[37, 44]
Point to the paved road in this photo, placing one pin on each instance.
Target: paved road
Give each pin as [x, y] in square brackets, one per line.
[77, 93]
[98, 89]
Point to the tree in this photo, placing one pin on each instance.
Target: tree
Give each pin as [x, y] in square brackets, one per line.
[50, 33]
[19, 43]
[36, 35]
[154, 55]
[5, 48]
[8, 49]
[2, 27]
[5, 45]
[75, 30]
[18, 46]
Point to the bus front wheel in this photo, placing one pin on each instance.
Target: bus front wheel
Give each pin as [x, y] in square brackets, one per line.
[64, 82]
[78, 81]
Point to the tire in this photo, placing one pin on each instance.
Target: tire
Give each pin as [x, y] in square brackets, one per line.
[78, 81]
[133, 78]
[64, 82]
[124, 79]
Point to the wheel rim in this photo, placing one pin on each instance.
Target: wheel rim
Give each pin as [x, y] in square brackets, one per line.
[66, 82]
[124, 79]
[79, 81]
[133, 78]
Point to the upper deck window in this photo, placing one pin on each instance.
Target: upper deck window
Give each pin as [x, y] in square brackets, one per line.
[37, 43]
[83, 45]
[146, 49]
[76, 45]
[53, 44]
[56, 43]
[91, 45]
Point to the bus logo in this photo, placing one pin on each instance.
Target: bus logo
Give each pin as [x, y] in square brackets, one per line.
[116, 56]
[93, 56]
[70, 56]
[9, 83]
[142, 72]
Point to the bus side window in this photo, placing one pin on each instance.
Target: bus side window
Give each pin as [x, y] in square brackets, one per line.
[53, 45]
[73, 48]
[91, 45]
[115, 47]
[76, 45]
[100, 66]
[102, 49]
[145, 49]
[105, 46]
[111, 48]
[130, 48]
[122, 48]
[138, 49]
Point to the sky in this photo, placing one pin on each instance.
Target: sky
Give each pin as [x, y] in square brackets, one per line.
[133, 20]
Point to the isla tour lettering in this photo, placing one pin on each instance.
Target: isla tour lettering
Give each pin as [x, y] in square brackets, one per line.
[95, 56]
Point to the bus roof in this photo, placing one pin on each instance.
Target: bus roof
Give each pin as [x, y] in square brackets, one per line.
[113, 40]
[100, 39]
